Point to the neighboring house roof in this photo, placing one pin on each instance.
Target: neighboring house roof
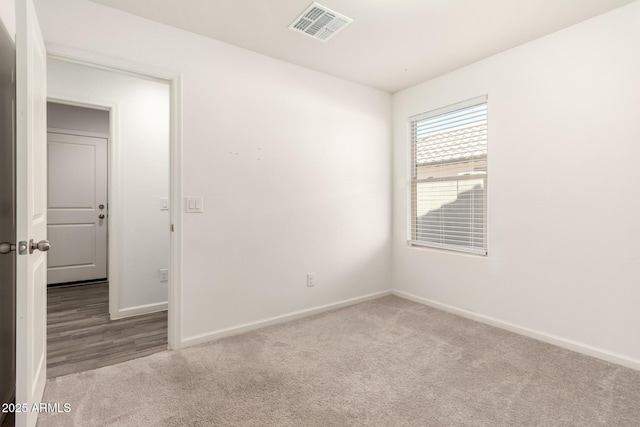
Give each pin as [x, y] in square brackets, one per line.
[461, 144]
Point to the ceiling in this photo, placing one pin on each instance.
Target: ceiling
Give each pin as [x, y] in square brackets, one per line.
[391, 44]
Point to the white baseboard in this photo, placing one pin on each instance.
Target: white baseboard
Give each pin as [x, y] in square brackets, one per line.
[540, 336]
[139, 309]
[246, 327]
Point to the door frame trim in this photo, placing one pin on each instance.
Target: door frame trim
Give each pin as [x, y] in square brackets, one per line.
[174, 80]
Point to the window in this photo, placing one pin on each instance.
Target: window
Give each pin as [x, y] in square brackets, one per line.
[449, 177]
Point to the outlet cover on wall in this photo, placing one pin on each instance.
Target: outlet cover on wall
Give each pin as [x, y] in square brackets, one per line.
[311, 280]
[164, 274]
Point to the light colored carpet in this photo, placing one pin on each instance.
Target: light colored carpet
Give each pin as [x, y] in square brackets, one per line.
[387, 362]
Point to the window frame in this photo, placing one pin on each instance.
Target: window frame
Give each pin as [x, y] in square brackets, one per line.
[412, 180]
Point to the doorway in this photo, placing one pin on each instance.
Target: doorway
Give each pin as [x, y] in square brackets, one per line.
[128, 299]
[77, 211]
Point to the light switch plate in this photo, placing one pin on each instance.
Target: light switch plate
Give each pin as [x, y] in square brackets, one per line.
[164, 203]
[194, 205]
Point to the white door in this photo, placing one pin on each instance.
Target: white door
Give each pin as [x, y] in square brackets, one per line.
[77, 208]
[31, 212]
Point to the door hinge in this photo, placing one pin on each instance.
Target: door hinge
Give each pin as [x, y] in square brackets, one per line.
[172, 228]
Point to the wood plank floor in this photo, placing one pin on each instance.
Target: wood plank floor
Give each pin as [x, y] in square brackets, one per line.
[81, 336]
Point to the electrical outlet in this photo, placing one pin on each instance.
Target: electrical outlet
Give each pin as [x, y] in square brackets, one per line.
[164, 274]
[311, 280]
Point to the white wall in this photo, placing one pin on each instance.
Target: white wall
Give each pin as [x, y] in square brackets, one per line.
[142, 153]
[8, 17]
[71, 117]
[564, 135]
[293, 165]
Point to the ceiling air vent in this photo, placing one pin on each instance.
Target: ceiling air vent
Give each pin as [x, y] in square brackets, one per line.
[320, 22]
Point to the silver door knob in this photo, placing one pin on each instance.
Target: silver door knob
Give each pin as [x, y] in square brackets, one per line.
[101, 216]
[42, 245]
[6, 247]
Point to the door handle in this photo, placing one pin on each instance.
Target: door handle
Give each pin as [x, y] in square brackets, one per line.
[7, 247]
[42, 245]
[101, 216]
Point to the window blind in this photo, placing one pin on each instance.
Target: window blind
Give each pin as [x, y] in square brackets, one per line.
[449, 177]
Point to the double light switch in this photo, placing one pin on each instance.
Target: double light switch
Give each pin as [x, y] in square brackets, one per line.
[194, 205]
